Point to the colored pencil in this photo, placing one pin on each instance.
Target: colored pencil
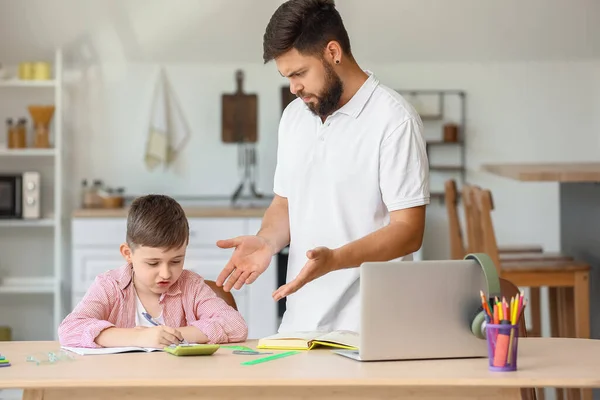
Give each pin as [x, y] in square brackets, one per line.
[485, 305]
[504, 309]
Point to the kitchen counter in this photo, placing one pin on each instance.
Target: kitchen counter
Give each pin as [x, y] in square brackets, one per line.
[549, 172]
[191, 212]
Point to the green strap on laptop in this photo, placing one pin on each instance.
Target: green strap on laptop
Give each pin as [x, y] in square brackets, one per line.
[493, 290]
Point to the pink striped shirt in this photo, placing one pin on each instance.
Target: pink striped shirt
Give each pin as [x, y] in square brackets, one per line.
[110, 302]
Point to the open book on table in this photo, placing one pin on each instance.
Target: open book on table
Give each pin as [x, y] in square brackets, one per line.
[108, 350]
[308, 340]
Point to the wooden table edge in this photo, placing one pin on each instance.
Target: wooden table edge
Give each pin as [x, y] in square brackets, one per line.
[388, 383]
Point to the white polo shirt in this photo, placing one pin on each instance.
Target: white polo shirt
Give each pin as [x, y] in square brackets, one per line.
[341, 179]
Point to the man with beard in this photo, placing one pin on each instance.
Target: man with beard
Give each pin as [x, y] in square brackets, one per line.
[351, 182]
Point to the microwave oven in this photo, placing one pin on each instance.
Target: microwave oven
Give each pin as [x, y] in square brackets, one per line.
[20, 196]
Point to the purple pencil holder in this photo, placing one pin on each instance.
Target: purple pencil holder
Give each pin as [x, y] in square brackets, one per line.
[503, 343]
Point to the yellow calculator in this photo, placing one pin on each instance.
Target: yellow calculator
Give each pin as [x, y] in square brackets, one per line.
[192, 349]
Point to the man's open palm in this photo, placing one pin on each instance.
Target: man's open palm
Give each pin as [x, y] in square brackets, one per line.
[251, 257]
[320, 262]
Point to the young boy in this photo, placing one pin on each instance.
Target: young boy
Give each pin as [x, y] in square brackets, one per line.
[152, 301]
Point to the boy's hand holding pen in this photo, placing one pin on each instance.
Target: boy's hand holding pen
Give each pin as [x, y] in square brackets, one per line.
[157, 336]
[161, 334]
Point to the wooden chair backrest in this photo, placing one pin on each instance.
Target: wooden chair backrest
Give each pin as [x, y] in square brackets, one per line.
[227, 296]
[457, 248]
[474, 243]
[484, 206]
[508, 290]
[474, 219]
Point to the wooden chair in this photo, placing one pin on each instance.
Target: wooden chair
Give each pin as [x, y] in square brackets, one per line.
[476, 238]
[475, 243]
[475, 234]
[458, 246]
[227, 296]
[536, 273]
[457, 243]
[561, 299]
[451, 199]
[568, 281]
[458, 250]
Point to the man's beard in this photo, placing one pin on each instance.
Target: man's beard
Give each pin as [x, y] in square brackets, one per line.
[329, 99]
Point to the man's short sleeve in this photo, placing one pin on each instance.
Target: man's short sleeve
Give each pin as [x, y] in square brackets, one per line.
[404, 167]
[281, 179]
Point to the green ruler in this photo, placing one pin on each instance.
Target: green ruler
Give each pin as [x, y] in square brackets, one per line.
[269, 358]
[243, 348]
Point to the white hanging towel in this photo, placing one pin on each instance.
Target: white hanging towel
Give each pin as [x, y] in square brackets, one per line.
[168, 131]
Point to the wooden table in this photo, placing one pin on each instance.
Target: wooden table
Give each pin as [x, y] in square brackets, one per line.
[548, 172]
[549, 362]
[579, 214]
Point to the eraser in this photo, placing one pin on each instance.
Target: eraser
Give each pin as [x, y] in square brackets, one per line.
[501, 350]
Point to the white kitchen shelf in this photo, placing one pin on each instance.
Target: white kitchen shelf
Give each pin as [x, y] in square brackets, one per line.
[28, 152]
[37, 281]
[27, 83]
[25, 285]
[26, 222]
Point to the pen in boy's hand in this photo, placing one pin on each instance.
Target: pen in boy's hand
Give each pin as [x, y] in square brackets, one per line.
[150, 319]
[153, 322]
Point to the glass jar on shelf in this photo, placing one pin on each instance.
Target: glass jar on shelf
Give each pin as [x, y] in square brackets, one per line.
[41, 116]
[9, 133]
[19, 134]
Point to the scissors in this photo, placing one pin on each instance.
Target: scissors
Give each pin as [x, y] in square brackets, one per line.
[153, 322]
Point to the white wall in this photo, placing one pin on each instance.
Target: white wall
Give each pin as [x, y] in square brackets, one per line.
[596, 84]
[224, 31]
[516, 112]
[113, 121]
[533, 91]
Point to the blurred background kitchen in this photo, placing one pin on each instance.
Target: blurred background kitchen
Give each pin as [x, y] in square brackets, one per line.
[86, 84]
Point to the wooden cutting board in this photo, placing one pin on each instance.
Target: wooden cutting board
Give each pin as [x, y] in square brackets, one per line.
[240, 114]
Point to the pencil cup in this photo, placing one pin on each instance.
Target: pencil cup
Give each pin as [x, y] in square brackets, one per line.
[502, 341]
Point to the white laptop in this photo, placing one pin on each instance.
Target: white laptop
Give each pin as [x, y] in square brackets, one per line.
[419, 310]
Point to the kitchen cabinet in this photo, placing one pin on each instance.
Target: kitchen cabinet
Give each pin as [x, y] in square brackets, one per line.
[95, 249]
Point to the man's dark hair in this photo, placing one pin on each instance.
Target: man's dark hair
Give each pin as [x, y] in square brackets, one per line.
[304, 25]
[157, 221]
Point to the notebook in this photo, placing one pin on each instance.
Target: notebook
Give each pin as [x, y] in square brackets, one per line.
[82, 351]
[308, 340]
